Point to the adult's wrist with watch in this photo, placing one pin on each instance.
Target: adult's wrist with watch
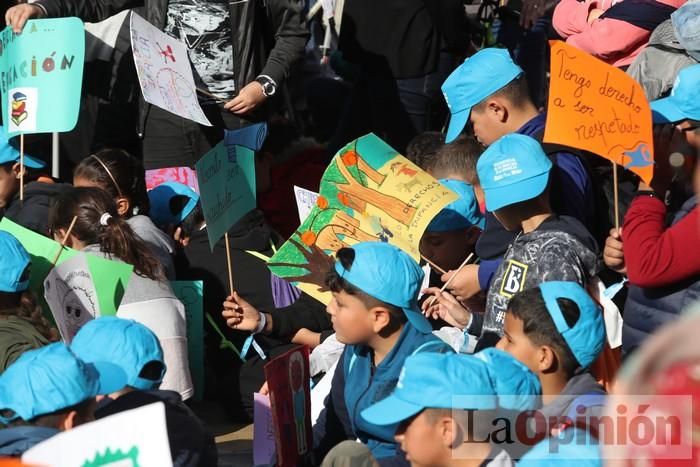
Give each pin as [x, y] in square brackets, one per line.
[269, 87]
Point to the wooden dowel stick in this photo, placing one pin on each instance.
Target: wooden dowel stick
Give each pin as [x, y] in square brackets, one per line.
[435, 266]
[616, 198]
[442, 289]
[228, 263]
[63, 242]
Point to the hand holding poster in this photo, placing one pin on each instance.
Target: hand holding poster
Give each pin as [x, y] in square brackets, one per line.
[227, 187]
[599, 108]
[287, 378]
[164, 71]
[42, 75]
[369, 192]
[137, 437]
[71, 296]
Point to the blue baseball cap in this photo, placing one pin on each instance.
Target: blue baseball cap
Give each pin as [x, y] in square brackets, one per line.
[569, 445]
[517, 387]
[52, 378]
[388, 274]
[686, 26]
[683, 103]
[587, 336]
[160, 197]
[460, 214]
[513, 169]
[9, 153]
[477, 78]
[15, 261]
[435, 381]
[122, 342]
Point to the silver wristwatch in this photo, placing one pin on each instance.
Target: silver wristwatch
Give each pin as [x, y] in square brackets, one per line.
[269, 86]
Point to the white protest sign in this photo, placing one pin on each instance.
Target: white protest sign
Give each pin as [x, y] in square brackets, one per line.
[70, 293]
[306, 200]
[164, 71]
[136, 437]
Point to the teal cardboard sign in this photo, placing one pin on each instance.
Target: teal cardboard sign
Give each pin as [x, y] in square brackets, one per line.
[191, 294]
[41, 75]
[226, 187]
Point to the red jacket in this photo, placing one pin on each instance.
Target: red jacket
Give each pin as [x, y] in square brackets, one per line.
[655, 255]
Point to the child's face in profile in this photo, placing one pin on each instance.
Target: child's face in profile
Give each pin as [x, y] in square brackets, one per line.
[420, 438]
[449, 249]
[9, 184]
[516, 343]
[351, 319]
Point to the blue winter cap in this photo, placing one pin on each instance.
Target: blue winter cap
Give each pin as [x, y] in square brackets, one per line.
[516, 386]
[571, 444]
[14, 264]
[9, 153]
[122, 342]
[587, 336]
[52, 378]
[686, 26]
[477, 78]
[435, 381]
[460, 214]
[683, 103]
[513, 169]
[388, 274]
[160, 197]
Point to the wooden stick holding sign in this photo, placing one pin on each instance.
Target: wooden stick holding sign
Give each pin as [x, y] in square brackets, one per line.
[21, 167]
[228, 264]
[207, 93]
[449, 281]
[63, 242]
[616, 198]
[434, 266]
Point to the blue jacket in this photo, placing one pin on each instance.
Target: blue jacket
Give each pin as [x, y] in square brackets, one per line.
[647, 309]
[15, 441]
[357, 385]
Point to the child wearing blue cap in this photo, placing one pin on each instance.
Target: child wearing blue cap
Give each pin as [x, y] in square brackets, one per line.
[32, 212]
[50, 390]
[557, 330]
[490, 90]
[122, 176]
[375, 313]
[136, 350]
[515, 176]
[447, 407]
[22, 324]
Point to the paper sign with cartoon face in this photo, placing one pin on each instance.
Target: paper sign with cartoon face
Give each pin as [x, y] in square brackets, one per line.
[71, 296]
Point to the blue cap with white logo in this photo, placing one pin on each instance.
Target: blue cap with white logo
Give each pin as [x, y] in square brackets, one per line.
[388, 274]
[517, 387]
[14, 264]
[161, 209]
[122, 342]
[52, 378]
[9, 153]
[435, 381]
[587, 336]
[477, 78]
[683, 103]
[513, 169]
[460, 214]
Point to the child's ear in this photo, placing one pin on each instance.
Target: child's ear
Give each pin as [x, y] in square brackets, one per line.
[381, 318]
[69, 422]
[498, 110]
[546, 359]
[450, 432]
[123, 206]
[17, 170]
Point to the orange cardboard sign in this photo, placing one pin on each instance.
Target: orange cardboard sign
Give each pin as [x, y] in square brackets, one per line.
[598, 108]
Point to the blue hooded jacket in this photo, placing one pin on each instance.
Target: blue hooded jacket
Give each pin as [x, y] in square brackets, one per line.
[15, 441]
[356, 385]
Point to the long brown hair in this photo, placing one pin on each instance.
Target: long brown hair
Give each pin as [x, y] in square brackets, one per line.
[98, 223]
[24, 306]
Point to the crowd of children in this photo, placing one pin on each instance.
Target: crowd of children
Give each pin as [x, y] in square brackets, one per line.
[498, 349]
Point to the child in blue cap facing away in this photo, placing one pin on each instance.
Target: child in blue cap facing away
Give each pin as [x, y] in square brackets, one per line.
[49, 390]
[515, 176]
[447, 407]
[490, 90]
[557, 331]
[22, 324]
[135, 349]
[33, 212]
[375, 313]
